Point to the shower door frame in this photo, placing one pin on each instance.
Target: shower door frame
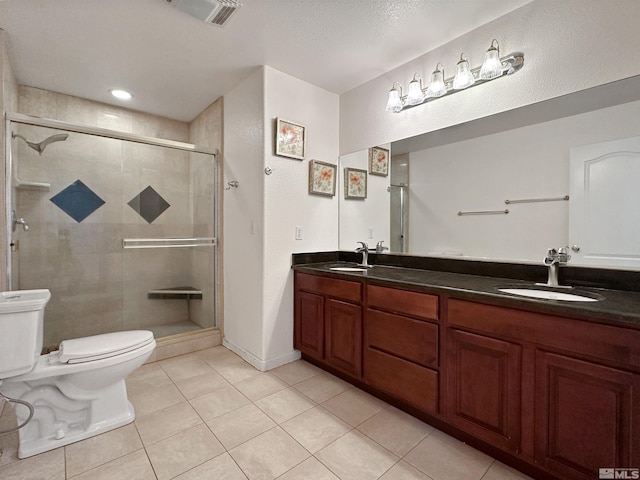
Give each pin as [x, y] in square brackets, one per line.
[20, 118]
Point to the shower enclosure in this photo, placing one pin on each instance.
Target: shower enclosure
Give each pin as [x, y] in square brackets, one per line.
[121, 228]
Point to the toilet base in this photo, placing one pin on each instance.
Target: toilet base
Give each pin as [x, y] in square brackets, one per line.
[35, 446]
[75, 401]
[59, 420]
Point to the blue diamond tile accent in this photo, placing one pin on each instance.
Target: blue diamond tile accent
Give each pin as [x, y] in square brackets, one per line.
[77, 200]
[149, 204]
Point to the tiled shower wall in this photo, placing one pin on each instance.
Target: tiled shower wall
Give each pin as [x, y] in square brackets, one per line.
[206, 131]
[8, 103]
[97, 286]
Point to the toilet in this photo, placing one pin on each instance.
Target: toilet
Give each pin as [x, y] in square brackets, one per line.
[76, 392]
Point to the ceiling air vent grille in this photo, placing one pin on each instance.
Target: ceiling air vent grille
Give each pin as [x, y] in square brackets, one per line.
[223, 14]
[216, 12]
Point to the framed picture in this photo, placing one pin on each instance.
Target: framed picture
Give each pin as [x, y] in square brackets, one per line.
[290, 139]
[322, 178]
[379, 161]
[355, 183]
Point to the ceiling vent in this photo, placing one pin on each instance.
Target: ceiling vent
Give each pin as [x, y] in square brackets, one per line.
[216, 12]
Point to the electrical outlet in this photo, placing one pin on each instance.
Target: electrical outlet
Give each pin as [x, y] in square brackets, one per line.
[298, 232]
[370, 232]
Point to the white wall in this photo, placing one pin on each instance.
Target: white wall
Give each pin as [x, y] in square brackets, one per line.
[569, 45]
[480, 174]
[358, 216]
[288, 203]
[243, 222]
[259, 301]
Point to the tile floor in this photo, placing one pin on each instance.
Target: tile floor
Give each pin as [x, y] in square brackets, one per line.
[210, 415]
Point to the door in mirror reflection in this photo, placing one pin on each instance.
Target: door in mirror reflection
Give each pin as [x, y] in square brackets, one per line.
[604, 214]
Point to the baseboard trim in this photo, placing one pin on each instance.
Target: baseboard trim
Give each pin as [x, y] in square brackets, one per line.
[262, 365]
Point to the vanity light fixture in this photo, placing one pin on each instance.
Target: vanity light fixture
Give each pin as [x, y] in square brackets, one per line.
[464, 77]
[493, 67]
[415, 95]
[437, 87]
[395, 98]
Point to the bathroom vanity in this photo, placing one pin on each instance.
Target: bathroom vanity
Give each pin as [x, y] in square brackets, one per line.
[550, 387]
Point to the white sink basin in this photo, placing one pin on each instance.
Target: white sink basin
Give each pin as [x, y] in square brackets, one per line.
[348, 269]
[548, 295]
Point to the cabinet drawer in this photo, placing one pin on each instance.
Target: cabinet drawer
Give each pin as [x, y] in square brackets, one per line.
[331, 287]
[404, 337]
[402, 301]
[405, 380]
[604, 343]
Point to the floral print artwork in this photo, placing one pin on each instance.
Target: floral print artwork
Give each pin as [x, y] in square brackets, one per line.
[355, 183]
[379, 161]
[322, 178]
[289, 139]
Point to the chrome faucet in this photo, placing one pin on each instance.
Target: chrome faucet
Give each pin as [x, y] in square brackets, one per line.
[553, 260]
[364, 249]
[380, 248]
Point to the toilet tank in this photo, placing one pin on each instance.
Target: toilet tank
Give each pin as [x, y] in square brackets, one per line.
[21, 324]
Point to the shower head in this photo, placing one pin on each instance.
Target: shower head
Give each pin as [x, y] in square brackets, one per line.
[39, 147]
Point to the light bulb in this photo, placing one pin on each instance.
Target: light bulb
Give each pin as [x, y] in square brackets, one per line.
[394, 104]
[121, 94]
[492, 66]
[437, 87]
[464, 77]
[415, 95]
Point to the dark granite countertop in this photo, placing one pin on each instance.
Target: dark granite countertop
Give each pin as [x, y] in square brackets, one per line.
[617, 307]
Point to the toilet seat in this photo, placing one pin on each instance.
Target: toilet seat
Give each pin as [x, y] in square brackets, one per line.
[97, 347]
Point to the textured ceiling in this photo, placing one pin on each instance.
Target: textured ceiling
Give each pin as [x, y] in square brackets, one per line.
[176, 65]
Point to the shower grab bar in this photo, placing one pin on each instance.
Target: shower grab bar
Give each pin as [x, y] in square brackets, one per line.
[168, 242]
[536, 200]
[485, 212]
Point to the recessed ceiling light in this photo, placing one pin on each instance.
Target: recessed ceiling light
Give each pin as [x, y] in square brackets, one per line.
[121, 94]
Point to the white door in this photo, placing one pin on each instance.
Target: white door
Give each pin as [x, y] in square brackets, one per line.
[604, 206]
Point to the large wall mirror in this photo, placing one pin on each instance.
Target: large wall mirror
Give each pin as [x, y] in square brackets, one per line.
[507, 187]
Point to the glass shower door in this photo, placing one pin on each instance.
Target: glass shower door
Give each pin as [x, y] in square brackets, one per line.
[82, 197]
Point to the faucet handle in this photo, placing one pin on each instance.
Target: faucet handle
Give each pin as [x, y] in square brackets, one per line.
[363, 246]
[563, 254]
[551, 258]
[15, 221]
[380, 247]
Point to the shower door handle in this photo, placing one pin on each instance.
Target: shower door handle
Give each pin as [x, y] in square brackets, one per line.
[18, 221]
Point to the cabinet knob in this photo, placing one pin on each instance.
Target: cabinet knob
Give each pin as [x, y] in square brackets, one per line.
[575, 248]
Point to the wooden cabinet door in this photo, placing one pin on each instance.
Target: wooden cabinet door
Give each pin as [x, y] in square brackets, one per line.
[309, 324]
[483, 387]
[343, 335]
[587, 417]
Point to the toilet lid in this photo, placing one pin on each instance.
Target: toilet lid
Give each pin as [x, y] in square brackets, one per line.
[107, 345]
